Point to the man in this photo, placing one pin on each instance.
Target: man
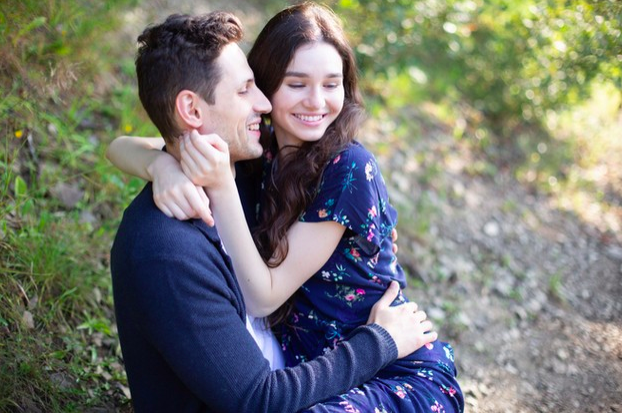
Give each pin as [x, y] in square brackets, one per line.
[180, 312]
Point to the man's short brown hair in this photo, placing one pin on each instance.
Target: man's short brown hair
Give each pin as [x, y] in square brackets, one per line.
[180, 54]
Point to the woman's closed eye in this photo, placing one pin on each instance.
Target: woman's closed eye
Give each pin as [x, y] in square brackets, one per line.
[332, 85]
[296, 85]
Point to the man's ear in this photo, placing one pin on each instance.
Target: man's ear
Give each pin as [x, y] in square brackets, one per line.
[189, 109]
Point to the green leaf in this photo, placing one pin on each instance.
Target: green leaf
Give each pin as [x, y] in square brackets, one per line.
[21, 189]
[34, 24]
[3, 24]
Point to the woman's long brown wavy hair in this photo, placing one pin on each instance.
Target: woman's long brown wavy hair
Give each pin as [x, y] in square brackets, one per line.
[296, 175]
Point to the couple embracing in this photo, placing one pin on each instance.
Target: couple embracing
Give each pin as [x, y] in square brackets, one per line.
[292, 301]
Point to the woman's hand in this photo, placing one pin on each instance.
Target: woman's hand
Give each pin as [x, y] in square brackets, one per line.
[205, 159]
[394, 238]
[408, 327]
[175, 194]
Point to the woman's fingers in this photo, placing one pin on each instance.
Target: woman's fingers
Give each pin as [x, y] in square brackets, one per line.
[188, 163]
[178, 213]
[165, 210]
[204, 158]
[200, 203]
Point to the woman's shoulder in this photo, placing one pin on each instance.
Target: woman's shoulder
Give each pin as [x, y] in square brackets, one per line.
[353, 152]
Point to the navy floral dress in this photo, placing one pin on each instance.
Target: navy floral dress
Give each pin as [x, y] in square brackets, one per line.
[340, 295]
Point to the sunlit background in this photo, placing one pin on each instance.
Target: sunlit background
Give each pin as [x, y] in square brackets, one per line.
[498, 125]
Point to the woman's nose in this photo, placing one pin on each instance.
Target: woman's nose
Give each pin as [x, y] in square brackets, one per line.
[315, 99]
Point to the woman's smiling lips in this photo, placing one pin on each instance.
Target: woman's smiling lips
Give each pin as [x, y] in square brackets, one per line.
[310, 119]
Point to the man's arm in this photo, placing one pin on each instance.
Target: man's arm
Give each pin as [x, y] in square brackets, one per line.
[193, 321]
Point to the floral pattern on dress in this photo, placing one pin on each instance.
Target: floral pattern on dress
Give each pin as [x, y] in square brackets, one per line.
[339, 297]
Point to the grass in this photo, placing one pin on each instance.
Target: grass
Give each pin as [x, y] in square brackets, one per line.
[60, 204]
[67, 88]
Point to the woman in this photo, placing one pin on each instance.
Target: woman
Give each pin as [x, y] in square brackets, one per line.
[324, 217]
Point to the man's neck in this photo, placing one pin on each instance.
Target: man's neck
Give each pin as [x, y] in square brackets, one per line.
[173, 150]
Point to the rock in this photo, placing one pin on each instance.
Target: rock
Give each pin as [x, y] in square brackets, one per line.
[436, 313]
[614, 252]
[463, 319]
[28, 320]
[492, 229]
[32, 303]
[99, 409]
[87, 217]
[572, 370]
[401, 181]
[94, 140]
[510, 368]
[62, 380]
[29, 406]
[534, 306]
[521, 313]
[471, 401]
[504, 286]
[68, 194]
[125, 390]
[458, 189]
[559, 367]
[562, 354]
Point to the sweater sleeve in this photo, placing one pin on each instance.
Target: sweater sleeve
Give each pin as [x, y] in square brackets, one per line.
[192, 316]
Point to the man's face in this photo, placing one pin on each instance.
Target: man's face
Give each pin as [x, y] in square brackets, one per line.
[239, 104]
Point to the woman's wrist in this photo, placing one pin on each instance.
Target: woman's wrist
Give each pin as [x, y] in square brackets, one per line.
[223, 186]
[161, 162]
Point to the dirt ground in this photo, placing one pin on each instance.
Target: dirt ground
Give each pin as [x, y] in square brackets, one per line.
[530, 296]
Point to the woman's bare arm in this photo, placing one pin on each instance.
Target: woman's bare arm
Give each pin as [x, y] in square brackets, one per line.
[205, 158]
[135, 156]
[174, 194]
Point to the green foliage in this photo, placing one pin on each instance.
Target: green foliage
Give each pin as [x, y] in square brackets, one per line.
[60, 202]
[512, 61]
[67, 88]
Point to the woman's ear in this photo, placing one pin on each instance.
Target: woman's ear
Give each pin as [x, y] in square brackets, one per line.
[189, 109]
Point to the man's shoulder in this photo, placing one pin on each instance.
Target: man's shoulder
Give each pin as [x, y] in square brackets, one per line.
[150, 249]
[144, 227]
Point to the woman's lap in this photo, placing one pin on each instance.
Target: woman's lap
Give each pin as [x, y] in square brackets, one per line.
[422, 382]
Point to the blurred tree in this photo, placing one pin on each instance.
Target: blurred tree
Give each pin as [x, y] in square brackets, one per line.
[510, 60]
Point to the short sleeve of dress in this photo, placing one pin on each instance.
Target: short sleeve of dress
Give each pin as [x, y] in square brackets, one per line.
[353, 193]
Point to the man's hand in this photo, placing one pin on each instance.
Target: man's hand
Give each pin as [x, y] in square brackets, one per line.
[175, 194]
[408, 327]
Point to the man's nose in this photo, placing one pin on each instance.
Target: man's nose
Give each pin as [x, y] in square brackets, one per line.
[262, 104]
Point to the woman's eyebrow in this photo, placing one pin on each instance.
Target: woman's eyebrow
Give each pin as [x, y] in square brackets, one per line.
[302, 74]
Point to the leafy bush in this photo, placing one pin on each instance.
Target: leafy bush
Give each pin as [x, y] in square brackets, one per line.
[511, 61]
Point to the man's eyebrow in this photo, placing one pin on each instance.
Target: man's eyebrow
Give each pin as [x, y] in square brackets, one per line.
[302, 74]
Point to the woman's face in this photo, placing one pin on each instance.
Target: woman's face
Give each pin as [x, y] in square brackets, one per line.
[310, 97]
